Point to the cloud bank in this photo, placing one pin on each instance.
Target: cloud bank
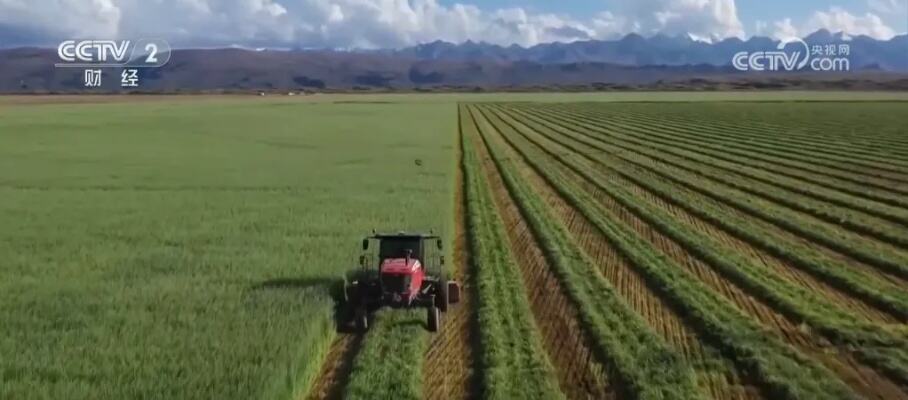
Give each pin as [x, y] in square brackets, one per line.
[384, 23]
[835, 19]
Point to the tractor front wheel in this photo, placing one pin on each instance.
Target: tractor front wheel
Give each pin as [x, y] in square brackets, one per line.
[351, 292]
[434, 318]
[362, 319]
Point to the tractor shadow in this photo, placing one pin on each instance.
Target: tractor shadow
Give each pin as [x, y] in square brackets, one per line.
[295, 283]
[343, 312]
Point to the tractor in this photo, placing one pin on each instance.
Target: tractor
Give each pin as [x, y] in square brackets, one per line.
[401, 270]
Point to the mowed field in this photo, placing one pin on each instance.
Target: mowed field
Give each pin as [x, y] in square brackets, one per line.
[717, 250]
[610, 247]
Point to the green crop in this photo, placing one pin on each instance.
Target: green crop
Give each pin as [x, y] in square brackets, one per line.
[186, 249]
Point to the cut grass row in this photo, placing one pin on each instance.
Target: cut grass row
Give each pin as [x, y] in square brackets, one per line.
[714, 374]
[838, 123]
[646, 367]
[658, 139]
[887, 258]
[783, 372]
[853, 215]
[512, 357]
[657, 134]
[796, 156]
[830, 269]
[882, 349]
[835, 124]
[863, 380]
[855, 187]
[580, 373]
[816, 149]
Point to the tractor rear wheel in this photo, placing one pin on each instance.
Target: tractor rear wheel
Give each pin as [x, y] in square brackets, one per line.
[434, 318]
[441, 300]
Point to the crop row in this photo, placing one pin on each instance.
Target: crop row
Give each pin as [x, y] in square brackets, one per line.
[512, 358]
[883, 350]
[645, 366]
[713, 372]
[853, 197]
[835, 124]
[771, 362]
[860, 186]
[890, 259]
[656, 190]
[801, 156]
[783, 144]
[579, 370]
[658, 138]
[823, 204]
[801, 254]
[390, 361]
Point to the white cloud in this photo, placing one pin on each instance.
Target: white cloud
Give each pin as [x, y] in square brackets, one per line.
[305, 23]
[701, 18]
[837, 19]
[80, 18]
[889, 7]
[396, 23]
[785, 29]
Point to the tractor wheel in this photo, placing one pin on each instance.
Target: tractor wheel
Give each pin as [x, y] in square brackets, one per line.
[441, 299]
[453, 292]
[362, 319]
[350, 293]
[434, 318]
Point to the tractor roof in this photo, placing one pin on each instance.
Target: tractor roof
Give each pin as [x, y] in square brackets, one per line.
[404, 235]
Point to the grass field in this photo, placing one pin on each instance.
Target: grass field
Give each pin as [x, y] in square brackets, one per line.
[184, 250]
[614, 246]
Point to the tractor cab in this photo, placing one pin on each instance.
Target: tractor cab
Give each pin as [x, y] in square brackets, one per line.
[402, 270]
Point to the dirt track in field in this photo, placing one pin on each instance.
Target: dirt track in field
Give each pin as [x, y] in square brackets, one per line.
[580, 374]
[449, 368]
[331, 380]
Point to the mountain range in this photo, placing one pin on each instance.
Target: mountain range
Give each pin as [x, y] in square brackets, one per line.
[636, 50]
[658, 62]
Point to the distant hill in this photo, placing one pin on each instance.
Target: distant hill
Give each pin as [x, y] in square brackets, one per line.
[636, 50]
[634, 62]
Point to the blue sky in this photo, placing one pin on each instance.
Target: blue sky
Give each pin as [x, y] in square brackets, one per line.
[400, 23]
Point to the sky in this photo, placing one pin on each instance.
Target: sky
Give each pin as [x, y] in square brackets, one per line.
[369, 24]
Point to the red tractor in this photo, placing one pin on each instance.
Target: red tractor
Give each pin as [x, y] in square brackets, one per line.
[408, 274]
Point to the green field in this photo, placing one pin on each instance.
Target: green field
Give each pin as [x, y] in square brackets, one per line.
[174, 250]
[621, 246]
